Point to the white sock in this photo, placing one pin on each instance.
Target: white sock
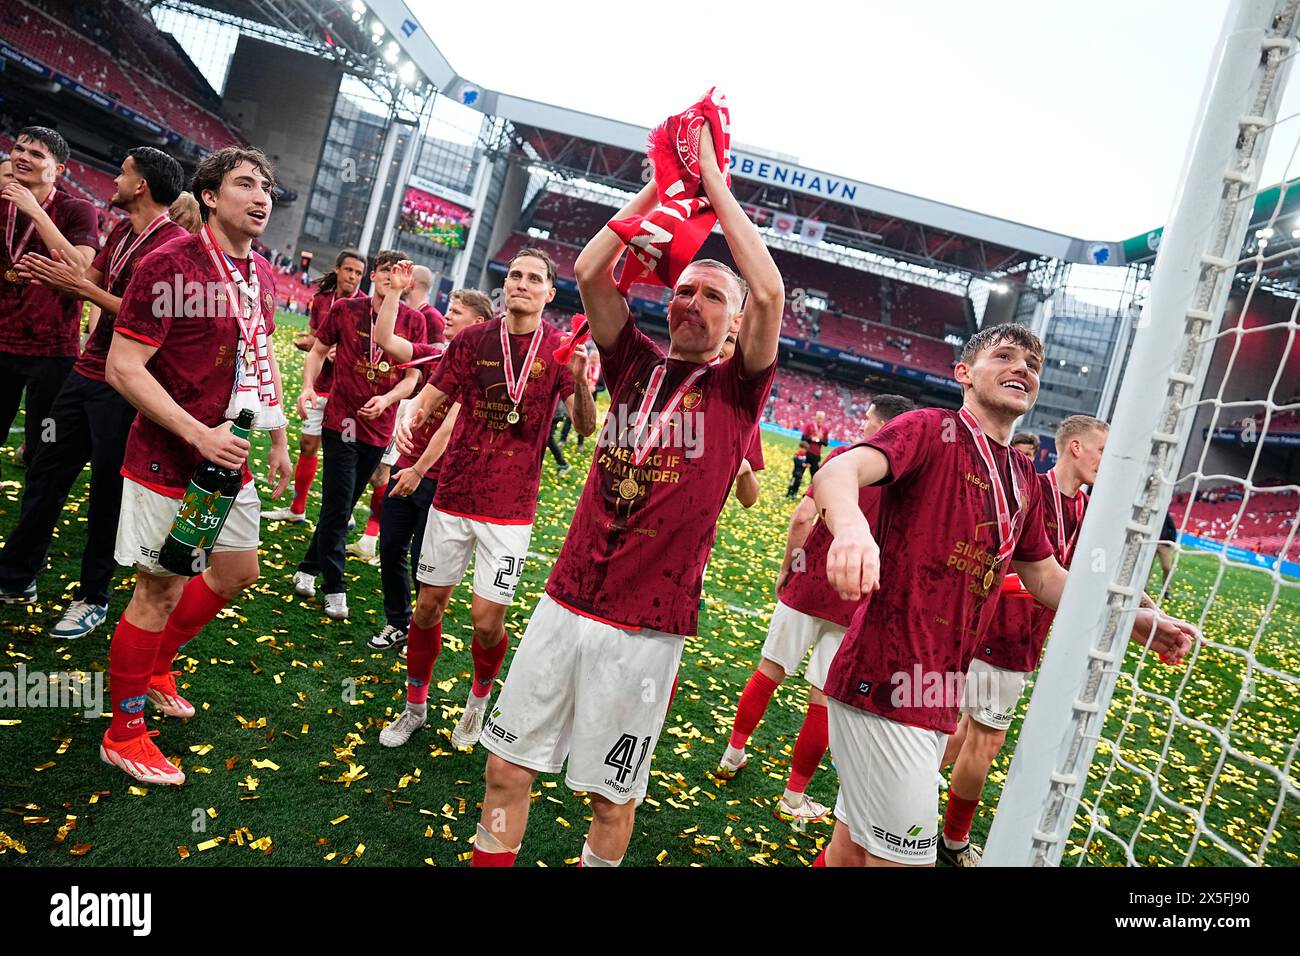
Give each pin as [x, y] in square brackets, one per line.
[590, 859]
[791, 798]
[953, 844]
[418, 709]
[367, 541]
[486, 842]
[475, 702]
[733, 756]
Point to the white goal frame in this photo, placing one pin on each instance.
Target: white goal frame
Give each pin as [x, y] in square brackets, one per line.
[1191, 282]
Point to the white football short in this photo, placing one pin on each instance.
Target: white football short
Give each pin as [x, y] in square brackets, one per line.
[498, 551]
[991, 694]
[146, 518]
[589, 693]
[315, 420]
[889, 791]
[791, 633]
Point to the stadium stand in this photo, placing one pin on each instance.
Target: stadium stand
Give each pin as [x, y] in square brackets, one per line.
[103, 52]
[1263, 527]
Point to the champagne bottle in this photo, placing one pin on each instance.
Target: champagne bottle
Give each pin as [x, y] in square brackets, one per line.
[203, 510]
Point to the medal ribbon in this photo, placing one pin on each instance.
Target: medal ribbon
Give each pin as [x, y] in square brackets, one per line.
[119, 258]
[12, 223]
[515, 385]
[1065, 549]
[376, 353]
[247, 312]
[1006, 535]
[421, 361]
[641, 451]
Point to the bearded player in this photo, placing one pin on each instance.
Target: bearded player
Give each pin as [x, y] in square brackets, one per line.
[342, 282]
[959, 509]
[90, 419]
[1012, 643]
[505, 376]
[589, 683]
[185, 362]
[360, 419]
[411, 489]
[808, 614]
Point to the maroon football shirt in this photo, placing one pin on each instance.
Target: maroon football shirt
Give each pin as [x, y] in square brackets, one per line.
[1018, 625]
[755, 454]
[816, 437]
[94, 357]
[348, 327]
[321, 303]
[195, 361]
[493, 468]
[640, 538]
[434, 324]
[34, 319]
[938, 538]
[807, 588]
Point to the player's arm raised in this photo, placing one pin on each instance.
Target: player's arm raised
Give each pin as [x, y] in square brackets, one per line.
[581, 405]
[386, 337]
[1169, 637]
[126, 371]
[761, 331]
[853, 562]
[604, 305]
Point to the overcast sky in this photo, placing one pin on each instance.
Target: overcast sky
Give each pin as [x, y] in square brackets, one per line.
[1071, 117]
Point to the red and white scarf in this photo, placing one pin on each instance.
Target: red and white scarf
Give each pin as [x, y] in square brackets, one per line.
[664, 241]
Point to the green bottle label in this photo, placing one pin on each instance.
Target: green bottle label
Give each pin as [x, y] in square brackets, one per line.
[201, 515]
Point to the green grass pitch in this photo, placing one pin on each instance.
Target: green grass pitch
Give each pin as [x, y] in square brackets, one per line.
[284, 764]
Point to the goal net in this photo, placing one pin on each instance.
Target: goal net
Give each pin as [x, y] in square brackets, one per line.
[1123, 760]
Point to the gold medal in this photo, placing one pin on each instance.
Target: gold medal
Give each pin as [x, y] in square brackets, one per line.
[370, 374]
[11, 275]
[512, 416]
[628, 489]
[988, 578]
[383, 366]
[691, 399]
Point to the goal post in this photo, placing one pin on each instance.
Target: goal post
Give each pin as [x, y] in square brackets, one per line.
[1051, 790]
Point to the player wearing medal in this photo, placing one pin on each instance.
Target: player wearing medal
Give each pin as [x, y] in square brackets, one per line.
[959, 508]
[1012, 643]
[358, 425]
[90, 419]
[188, 361]
[417, 297]
[506, 379]
[808, 614]
[411, 489]
[39, 328]
[590, 682]
[342, 282]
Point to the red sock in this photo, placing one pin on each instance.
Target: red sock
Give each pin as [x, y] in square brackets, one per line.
[376, 509]
[821, 859]
[130, 657]
[809, 748]
[304, 473]
[483, 858]
[959, 816]
[198, 605]
[487, 663]
[753, 702]
[422, 647]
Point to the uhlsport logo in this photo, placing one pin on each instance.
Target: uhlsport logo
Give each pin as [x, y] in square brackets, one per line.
[77, 909]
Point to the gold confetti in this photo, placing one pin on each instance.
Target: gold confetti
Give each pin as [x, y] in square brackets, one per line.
[184, 852]
[265, 765]
[81, 849]
[44, 766]
[337, 820]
